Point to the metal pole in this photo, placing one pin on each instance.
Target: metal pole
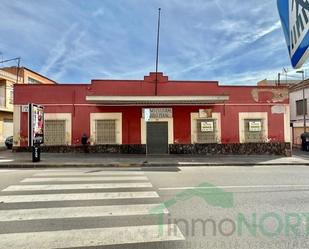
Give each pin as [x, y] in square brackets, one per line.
[279, 79]
[157, 57]
[18, 66]
[14, 59]
[304, 102]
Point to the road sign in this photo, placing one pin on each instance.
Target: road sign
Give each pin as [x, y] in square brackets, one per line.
[294, 16]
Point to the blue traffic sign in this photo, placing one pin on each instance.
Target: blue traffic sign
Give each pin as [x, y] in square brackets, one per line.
[294, 16]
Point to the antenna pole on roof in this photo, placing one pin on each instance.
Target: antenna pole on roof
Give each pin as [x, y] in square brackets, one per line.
[157, 57]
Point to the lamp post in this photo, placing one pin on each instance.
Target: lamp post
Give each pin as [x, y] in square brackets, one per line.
[304, 104]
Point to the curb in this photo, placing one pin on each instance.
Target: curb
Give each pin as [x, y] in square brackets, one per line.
[146, 165]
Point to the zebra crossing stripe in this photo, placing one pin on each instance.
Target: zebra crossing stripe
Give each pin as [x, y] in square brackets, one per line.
[76, 197]
[95, 173]
[91, 237]
[81, 212]
[87, 179]
[77, 186]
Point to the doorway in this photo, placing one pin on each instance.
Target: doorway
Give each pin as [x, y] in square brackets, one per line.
[157, 138]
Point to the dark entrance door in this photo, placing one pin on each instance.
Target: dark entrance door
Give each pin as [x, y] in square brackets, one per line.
[157, 137]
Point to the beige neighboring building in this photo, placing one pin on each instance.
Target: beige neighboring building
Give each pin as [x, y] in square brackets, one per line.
[283, 82]
[8, 77]
[28, 76]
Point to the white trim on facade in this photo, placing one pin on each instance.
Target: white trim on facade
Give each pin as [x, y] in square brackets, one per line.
[112, 100]
[170, 122]
[102, 116]
[179, 104]
[68, 123]
[16, 125]
[252, 115]
[195, 116]
[287, 128]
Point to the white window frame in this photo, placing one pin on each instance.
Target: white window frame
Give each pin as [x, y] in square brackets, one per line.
[252, 115]
[170, 122]
[117, 116]
[68, 124]
[195, 116]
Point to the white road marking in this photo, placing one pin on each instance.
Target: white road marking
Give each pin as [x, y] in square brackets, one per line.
[6, 160]
[91, 237]
[89, 173]
[77, 186]
[86, 179]
[77, 197]
[234, 187]
[7, 170]
[81, 212]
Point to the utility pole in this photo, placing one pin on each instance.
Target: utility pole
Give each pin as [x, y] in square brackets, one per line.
[157, 56]
[279, 80]
[304, 98]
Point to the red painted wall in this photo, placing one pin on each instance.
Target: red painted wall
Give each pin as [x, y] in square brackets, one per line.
[72, 99]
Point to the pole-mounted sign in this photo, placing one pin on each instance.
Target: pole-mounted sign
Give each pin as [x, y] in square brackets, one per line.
[294, 16]
[35, 130]
[36, 124]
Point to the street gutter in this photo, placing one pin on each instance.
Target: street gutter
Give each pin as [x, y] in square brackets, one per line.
[144, 165]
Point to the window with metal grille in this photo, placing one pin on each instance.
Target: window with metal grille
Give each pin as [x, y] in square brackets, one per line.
[54, 132]
[299, 107]
[254, 130]
[105, 131]
[206, 131]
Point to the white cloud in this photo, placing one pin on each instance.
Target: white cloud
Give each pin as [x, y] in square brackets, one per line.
[116, 39]
[59, 51]
[98, 12]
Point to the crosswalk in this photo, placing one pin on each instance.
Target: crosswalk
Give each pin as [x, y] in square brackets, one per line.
[82, 209]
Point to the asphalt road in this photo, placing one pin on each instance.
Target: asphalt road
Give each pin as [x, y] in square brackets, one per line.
[172, 208]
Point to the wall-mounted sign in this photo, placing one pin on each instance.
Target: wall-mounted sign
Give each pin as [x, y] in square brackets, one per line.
[155, 113]
[255, 126]
[36, 124]
[147, 114]
[25, 108]
[207, 126]
[278, 109]
[205, 113]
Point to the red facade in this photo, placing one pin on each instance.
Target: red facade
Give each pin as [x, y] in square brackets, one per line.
[72, 98]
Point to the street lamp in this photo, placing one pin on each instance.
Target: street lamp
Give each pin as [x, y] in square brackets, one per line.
[304, 104]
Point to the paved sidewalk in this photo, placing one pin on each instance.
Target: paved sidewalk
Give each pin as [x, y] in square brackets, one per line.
[10, 159]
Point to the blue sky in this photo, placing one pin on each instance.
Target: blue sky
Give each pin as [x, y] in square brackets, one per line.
[234, 41]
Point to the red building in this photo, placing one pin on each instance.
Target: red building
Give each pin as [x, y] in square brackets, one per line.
[168, 117]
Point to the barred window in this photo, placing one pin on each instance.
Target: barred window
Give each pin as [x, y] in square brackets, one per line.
[54, 132]
[206, 131]
[300, 107]
[105, 131]
[254, 130]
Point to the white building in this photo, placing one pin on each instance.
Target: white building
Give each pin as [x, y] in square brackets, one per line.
[297, 114]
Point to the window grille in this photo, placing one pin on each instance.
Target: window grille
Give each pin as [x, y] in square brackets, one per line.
[253, 136]
[105, 131]
[2, 95]
[299, 107]
[54, 132]
[206, 137]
